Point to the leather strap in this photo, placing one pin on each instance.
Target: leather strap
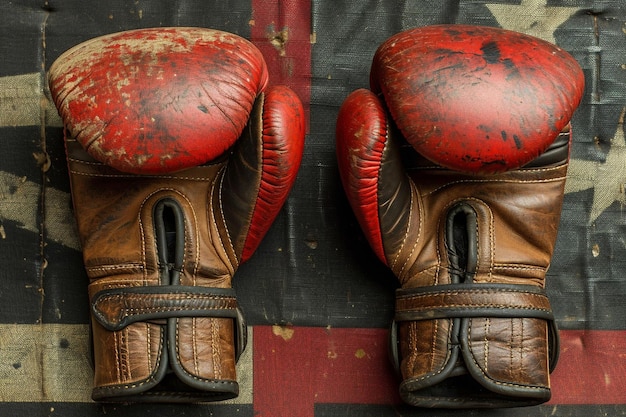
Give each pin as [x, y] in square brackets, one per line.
[473, 300]
[117, 308]
[479, 300]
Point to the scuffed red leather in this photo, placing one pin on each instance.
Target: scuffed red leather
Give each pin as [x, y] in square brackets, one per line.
[362, 120]
[404, 220]
[192, 83]
[479, 99]
[282, 120]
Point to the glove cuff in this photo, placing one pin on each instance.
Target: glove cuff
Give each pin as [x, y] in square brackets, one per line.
[493, 345]
[177, 364]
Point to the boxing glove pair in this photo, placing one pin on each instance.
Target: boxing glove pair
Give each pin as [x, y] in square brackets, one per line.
[180, 158]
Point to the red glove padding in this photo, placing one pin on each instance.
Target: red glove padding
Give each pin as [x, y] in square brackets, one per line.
[476, 99]
[158, 100]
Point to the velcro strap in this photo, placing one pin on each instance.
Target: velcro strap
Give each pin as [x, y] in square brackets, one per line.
[117, 308]
[472, 300]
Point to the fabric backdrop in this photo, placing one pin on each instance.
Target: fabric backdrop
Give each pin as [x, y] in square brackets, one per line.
[317, 299]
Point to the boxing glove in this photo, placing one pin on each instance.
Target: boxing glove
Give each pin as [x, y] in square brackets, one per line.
[180, 157]
[455, 164]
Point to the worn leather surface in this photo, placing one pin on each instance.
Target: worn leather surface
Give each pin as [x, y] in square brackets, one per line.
[116, 224]
[470, 246]
[476, 99]
[170, 342]
[474, 325]
[172, 87]
[161, 249]
[502, 357]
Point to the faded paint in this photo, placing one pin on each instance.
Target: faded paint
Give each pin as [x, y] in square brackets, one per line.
[283, 331]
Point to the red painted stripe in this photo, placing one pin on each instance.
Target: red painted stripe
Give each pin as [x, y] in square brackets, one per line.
[591, 368]
[299, 366]
[296, 367]
[281, 29]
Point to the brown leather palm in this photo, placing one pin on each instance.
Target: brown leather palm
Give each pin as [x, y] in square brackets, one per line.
[136, 349]
[474, 325]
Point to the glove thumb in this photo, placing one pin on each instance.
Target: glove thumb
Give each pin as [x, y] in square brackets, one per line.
[372, 173]
[262, 168]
